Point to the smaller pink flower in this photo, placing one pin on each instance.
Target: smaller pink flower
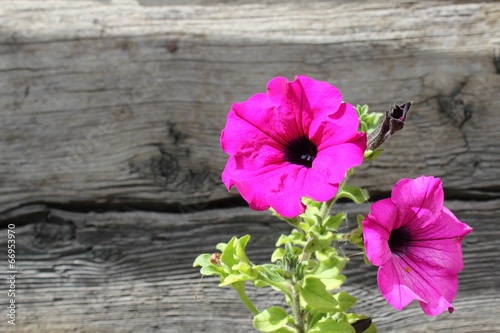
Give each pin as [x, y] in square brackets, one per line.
[417, 244]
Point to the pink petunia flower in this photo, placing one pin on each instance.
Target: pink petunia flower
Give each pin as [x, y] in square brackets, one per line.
[417, 244]
[298, 140]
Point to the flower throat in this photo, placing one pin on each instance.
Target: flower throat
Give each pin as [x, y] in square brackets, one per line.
[301, 151]
[400, 240]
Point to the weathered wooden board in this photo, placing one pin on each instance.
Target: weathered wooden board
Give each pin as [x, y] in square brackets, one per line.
[111, 115]
[120, 103]
[131, 272]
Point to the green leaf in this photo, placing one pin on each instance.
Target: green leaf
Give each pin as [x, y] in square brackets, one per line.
[328, 268]
[318, 241]
[270, 319]
[208, 268]
[371, 155]
[312, 212]
[367, 121]
[228, 255]
[278, 254]
[345, 300]
[213, 270]
[233, 278]
[334, 222]
[316, 296]
[241, 244]
[363, 127]
[245, 269]
[296, 238]
[361, 109]
[234, 252]
[202, 260]
[331, 326]
[273, 272]
[355, 193]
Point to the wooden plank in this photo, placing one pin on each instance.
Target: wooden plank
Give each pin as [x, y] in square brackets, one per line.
[111, 114]
[123, 104]
[131, 272]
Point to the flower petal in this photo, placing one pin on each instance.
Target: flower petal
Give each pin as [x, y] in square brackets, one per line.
[244, 174]
[434, 288]
[420, 200]
[377, 228]
[291, 105]
[302, 102]
[248, 127]
[337, 160]
[393, 285]
[339, 127]
[302, 182]
[402, 281]
[323, 98]
[439, 244]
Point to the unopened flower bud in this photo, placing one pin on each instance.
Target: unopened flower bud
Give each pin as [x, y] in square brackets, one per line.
[394, 121]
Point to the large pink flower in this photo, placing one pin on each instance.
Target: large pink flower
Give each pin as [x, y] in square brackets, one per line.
[298, 140]
[417, 242]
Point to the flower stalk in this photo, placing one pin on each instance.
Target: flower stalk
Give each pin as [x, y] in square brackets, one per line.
[248, 303]
[298, 314]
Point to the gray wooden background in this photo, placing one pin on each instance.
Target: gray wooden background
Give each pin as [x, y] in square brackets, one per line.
[110, 162]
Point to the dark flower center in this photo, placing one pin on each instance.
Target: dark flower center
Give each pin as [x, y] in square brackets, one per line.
[400, 241]
[301, 151]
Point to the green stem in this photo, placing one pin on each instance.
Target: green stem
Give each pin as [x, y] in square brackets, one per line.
[248, 303]
[325, 209]
[327, 205]
[305, 255]
[343, 236]
[298, 315]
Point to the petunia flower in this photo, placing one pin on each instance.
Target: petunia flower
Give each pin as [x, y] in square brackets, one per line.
[417, 244]
[297, 140]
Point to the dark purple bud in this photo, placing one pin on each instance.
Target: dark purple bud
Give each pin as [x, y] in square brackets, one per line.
[362, 325]
[394, 121]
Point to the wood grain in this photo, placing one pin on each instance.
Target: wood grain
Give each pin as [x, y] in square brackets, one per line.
[111, 116]
[132, 272]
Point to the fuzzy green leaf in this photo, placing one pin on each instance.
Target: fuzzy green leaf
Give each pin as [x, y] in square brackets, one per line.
[371, 155]
[241, 244]
[331, 326]
[270, 319]
[355, 193]
[233, 278]
[316, 296]
[227, 257]
[202, 260]
[212, 270]
[328, 268]
[278, 254]
[318, 241]
[345, 300]
[273, 272]
[334, 222]
[296, 238]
